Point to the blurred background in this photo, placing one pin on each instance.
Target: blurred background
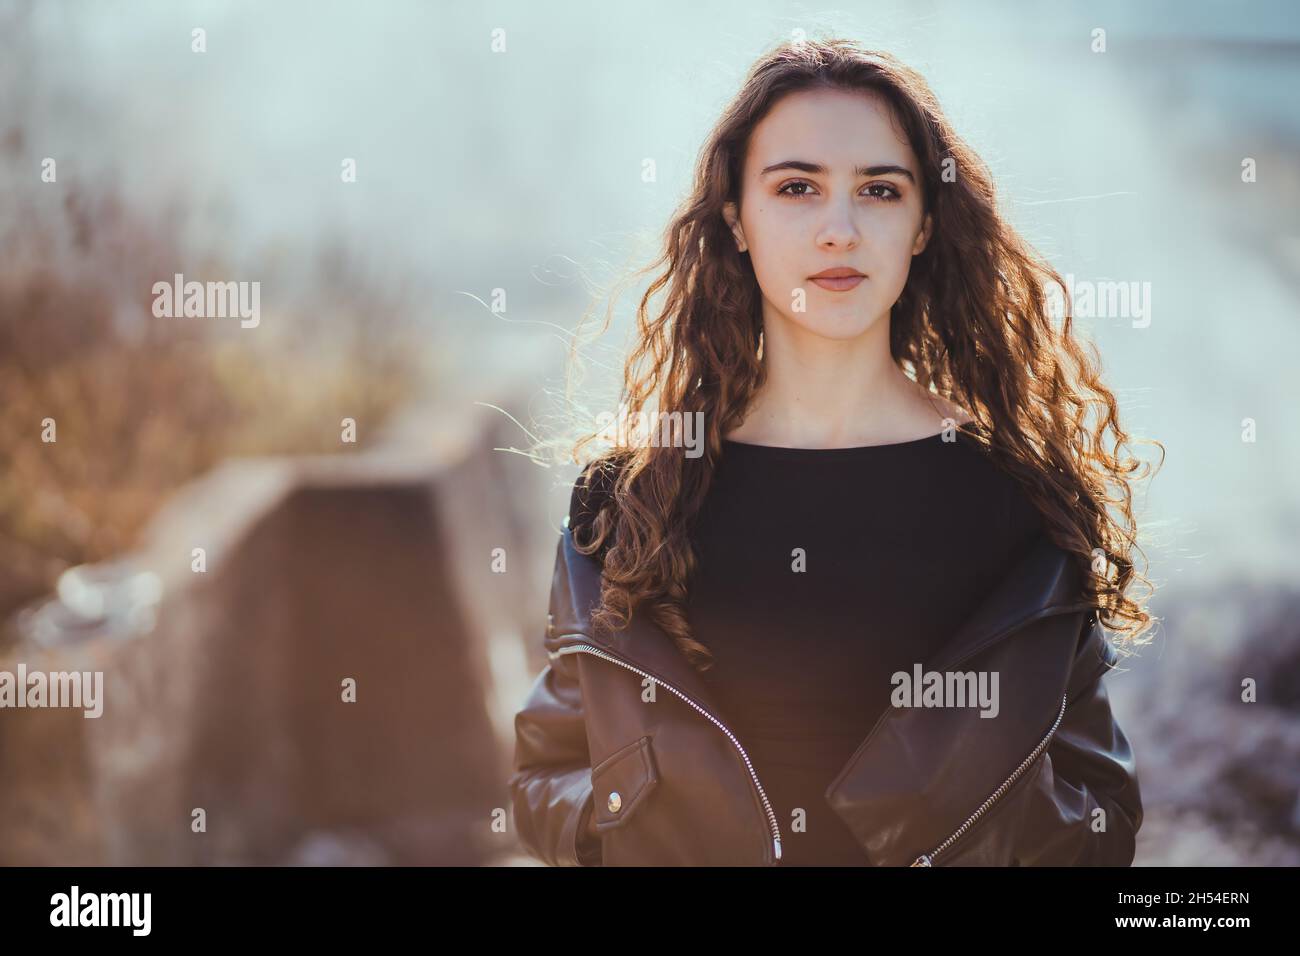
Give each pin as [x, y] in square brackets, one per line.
[431, 195]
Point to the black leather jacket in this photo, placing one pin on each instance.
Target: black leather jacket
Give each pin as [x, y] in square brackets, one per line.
[1051, 780]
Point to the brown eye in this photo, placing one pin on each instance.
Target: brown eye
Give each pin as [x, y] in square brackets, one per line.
[890, 193]
[798, 182]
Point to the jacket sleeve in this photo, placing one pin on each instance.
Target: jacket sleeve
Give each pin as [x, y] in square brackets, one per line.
[550, 787]
[1088, 765]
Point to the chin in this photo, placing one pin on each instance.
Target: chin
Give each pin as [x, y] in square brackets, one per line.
[841, 327]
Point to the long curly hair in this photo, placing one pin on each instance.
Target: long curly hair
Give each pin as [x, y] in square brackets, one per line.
[973, 325]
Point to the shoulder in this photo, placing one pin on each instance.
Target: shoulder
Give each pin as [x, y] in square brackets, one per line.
[986, 473]
[1020, 515]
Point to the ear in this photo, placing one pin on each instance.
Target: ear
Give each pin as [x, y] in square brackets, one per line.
[732, 217]
[923, 237]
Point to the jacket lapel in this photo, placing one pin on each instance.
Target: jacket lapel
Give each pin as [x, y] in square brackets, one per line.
[921, 772]
[1045, 580]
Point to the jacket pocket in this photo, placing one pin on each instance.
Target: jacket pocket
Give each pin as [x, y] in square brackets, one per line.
[621, 783]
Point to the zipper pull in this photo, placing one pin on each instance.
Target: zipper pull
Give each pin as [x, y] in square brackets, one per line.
[923, 860]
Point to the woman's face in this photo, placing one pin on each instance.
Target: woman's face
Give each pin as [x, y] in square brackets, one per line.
[828, 182]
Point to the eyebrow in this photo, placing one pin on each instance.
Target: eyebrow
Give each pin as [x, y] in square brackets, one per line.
[820, 170]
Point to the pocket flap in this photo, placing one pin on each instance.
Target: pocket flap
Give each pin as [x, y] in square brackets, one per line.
[621, 782]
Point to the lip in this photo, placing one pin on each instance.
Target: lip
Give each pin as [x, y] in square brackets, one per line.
[839, 279]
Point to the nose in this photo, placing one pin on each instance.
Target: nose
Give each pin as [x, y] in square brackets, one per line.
[838, 230]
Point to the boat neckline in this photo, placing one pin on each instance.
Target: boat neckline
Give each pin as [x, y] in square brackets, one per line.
[784, 451]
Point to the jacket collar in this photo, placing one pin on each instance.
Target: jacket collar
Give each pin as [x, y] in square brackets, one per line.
[1044, 581]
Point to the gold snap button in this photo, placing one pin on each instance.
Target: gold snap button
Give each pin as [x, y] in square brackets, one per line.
[615, 802]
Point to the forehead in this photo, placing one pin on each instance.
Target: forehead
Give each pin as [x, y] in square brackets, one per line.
[840, 129]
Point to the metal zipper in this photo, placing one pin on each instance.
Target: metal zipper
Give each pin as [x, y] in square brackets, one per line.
[767, 807]
[927, 859]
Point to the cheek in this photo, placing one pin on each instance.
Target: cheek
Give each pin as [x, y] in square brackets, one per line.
[766, 228]
[771, 249]
[899, 235]
[895, 246]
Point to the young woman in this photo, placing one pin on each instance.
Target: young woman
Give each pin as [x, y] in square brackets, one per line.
[861, 623]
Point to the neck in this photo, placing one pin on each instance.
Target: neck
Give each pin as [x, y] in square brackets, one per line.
[835, 393]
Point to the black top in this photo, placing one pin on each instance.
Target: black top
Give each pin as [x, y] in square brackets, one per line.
[897, 545]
